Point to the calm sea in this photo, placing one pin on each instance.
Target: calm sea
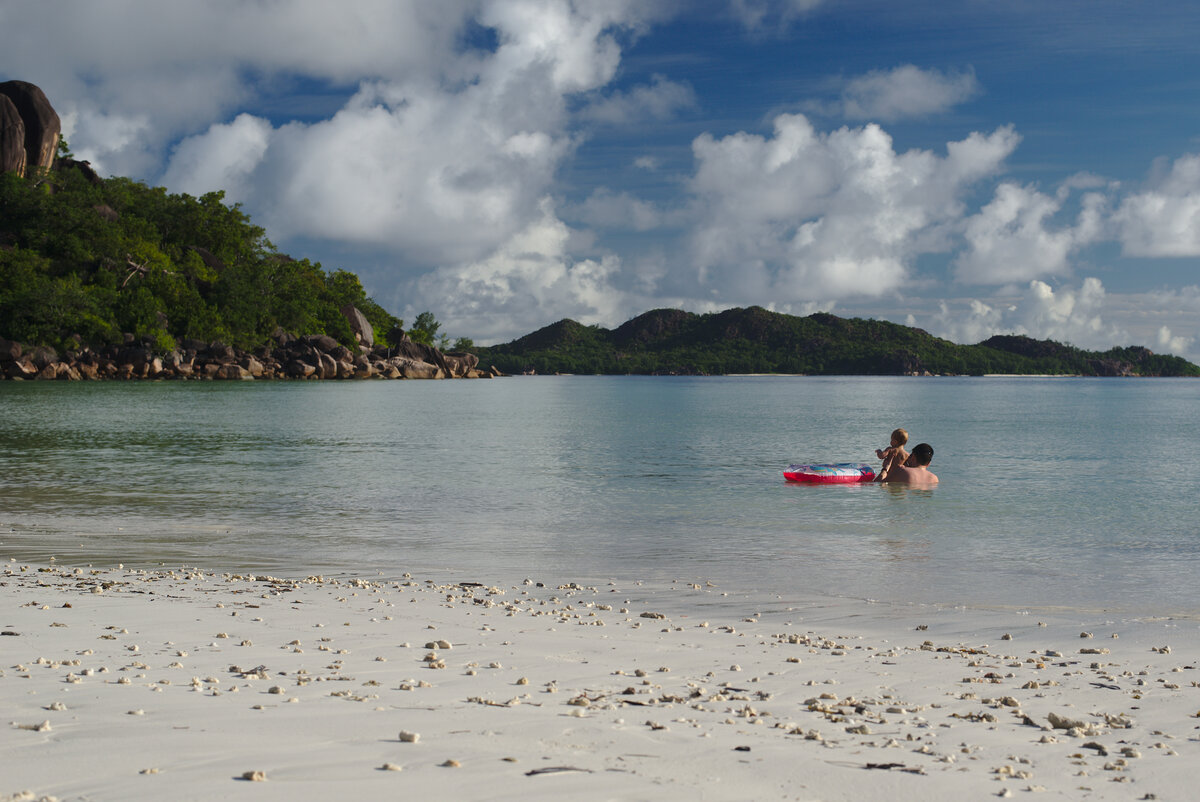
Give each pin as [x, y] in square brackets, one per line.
[1078, 493]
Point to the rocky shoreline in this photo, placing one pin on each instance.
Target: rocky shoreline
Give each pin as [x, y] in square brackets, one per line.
[314, 356]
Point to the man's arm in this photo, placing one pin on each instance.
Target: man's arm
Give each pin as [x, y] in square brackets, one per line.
[891, 465]
[897, 473]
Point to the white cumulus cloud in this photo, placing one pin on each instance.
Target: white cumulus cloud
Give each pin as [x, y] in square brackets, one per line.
[224, 157]
[1171, 344]
[1073, 315]
[1012, 239]
[1164, 218]
[906, 91]
[164, 69]
[531, 278]
[442, 172]
[806, 215]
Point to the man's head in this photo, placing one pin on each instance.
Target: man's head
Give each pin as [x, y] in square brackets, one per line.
[922, 455]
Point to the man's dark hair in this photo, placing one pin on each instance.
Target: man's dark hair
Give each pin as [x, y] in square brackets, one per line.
[923, 453]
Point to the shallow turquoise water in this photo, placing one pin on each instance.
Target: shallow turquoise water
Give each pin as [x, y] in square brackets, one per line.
[1055, 492]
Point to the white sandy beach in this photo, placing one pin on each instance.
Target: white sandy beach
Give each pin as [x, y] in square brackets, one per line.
[121, 684]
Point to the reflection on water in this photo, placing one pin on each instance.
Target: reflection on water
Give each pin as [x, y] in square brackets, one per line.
[904, 550]
[621, 476]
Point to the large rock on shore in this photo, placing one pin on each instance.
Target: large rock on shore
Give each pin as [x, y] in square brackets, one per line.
[9, 351]
[12, 138]
[423, 353]
[415, 368]
[364, 332]
[42, 127]
[461, 364]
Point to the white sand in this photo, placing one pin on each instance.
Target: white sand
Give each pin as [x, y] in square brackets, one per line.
[176, 684]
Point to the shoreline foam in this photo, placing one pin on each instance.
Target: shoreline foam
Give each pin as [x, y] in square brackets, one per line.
[132, 684]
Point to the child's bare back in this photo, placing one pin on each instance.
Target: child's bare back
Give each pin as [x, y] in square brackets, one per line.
[893, 455]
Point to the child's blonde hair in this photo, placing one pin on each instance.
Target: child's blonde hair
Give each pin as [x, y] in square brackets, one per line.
[899, 437]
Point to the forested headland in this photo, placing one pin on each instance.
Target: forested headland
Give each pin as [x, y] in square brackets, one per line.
[85, 261]
[111, 278]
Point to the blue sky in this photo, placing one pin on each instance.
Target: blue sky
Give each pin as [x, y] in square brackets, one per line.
[970, 168]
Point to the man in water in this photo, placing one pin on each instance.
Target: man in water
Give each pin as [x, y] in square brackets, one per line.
[915, 470]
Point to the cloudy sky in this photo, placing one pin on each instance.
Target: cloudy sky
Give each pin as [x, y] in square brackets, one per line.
[967, 167]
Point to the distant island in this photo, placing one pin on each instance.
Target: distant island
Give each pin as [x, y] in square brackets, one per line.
[755, 340]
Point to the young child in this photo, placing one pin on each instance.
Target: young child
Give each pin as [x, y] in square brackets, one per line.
[892, 455]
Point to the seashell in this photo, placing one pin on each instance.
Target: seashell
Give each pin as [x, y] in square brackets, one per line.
[407, 737]
[451, 764]
[390, 767]
[43, 727]
[1063, 723]
[255, 776]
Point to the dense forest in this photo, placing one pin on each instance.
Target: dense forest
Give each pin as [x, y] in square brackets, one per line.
[85, 261]
[754, 340]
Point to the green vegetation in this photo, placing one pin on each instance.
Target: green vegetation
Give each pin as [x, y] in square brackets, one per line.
[753, 340]
[424, 329]
[85, 261]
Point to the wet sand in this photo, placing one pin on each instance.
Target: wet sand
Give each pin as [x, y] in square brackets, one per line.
[184, 684]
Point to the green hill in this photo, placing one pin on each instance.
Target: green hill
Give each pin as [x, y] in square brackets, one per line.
[754, 340]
